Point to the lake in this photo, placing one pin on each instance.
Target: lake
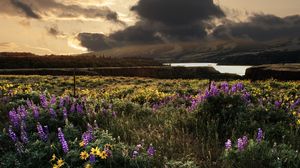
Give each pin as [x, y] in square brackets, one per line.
[233, 69]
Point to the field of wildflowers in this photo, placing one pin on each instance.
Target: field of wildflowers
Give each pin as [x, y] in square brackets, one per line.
[143, 122]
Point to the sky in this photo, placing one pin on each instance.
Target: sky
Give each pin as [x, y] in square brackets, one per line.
[77, 26]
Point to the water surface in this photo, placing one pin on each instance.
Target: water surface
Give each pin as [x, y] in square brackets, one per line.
[233, 69]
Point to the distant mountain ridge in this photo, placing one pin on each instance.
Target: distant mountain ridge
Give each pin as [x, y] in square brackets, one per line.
[234, 52]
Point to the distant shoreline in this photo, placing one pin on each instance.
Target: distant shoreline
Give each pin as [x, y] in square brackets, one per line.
[262, 72]
[161, 72]
[275, 71]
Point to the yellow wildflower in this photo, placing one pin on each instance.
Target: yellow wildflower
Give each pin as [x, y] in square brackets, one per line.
[94, 151]
[53, 157]
[60, 162]
[84, 155]
[81, 144]
[298, 122]
[88, 166]
[103, 155]
[294, 113]
[55, 166]
[98, 153]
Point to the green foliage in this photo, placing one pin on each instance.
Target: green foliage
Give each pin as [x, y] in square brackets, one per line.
[262, 155]
[221, 116]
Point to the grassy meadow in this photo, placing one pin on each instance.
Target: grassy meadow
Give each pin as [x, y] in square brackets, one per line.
[144, 122]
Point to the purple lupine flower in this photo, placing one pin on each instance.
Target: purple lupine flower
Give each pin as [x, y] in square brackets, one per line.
[245, 141]
[92, 158]
[35, 111]
[259, 135]
[14, 118]
[12, 134]
[199, 98]
[72, 109]
[44, 101]
[79, 108]
[246, 96]
[22, 112]
[135, 154]
[65, 113]
[43, 136]
[193, 106]
[88, 135]
[52, 113]
[207, 94]
[225, 87]
[233, 88]
[53, 100]
[240, 86]
[240, 144]
[151, 150]
[228, 144]
[19, 109]
[213, 89]
[277, 104]
[24, 137]
[62, 141]
[61, 102]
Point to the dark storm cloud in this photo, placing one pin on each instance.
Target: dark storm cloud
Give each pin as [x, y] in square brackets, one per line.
[177, 12]
[261, 28]
[171, 19]
[95, 41]
[141, 32]
[25, 8]
[150, 32]
[166, 21]
[53, 9]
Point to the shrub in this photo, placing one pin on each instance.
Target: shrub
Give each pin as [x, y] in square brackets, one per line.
[262, 155]
[259, 153]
